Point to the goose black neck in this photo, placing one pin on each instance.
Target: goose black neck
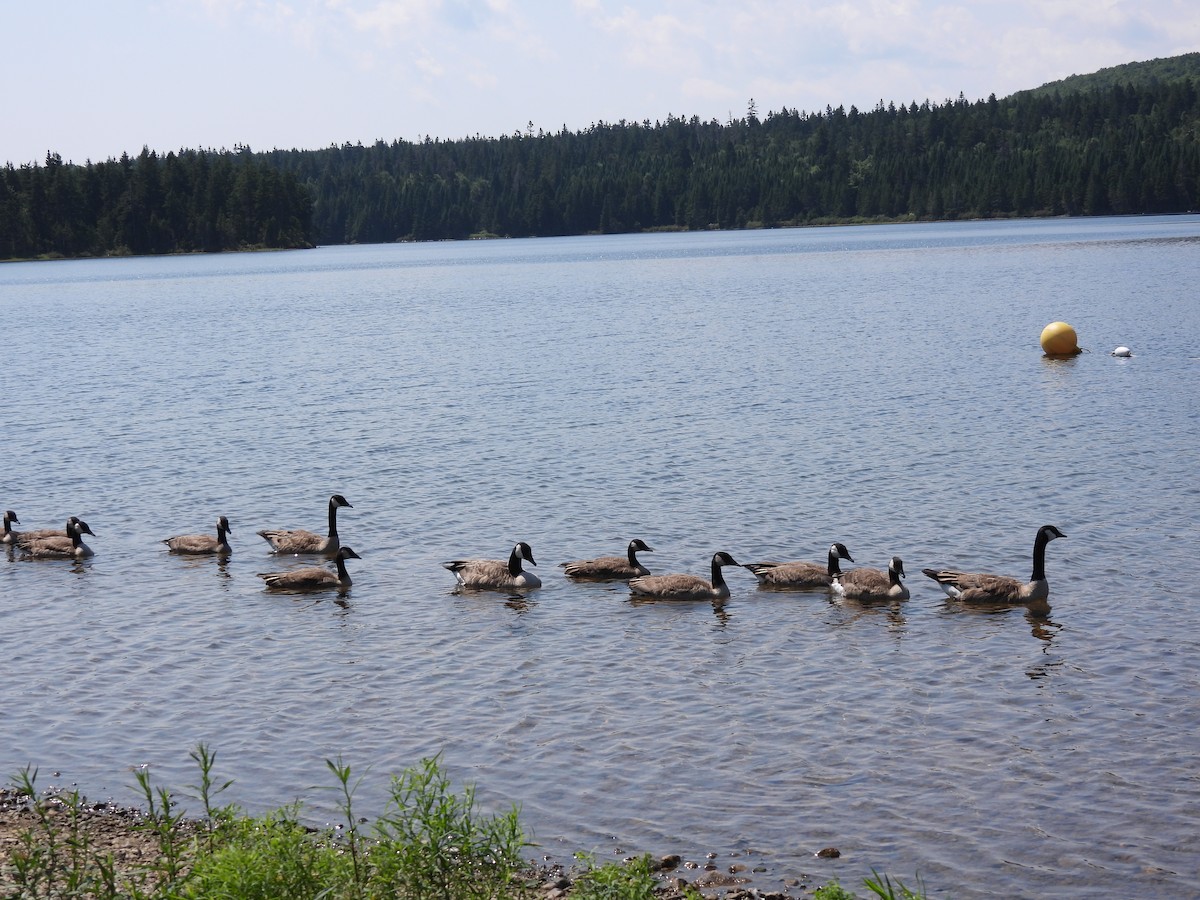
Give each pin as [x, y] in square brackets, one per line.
[718, 578]
[332, 518]
[632, 554]
[835, 567]
[343, 575]
[514, 562]
[1039, 556]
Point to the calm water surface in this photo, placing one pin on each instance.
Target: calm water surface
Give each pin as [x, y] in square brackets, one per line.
[763, 393]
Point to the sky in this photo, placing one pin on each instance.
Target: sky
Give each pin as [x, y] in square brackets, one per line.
[90, 80]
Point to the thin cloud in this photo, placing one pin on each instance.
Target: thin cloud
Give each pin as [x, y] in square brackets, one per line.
[356, 69]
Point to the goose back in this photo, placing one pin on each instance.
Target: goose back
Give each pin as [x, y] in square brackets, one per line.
[686, 587]
[301, 542]
[58, 546]
[610, 568]
[869, 584]
[986, 589]
[496, 574]
[313, 578]
[203, 543]
[798, 575]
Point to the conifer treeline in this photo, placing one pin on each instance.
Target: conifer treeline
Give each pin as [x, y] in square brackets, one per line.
[1118, 148]
[195, 200]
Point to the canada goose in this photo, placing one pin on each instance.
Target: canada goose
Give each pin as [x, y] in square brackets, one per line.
[59, 546]
[10, 536]
[299, 541]
[203, 543]
[800, 576]
[686, 587]
[983, 589]
[614, 568]
[313, 578]
[872, 584]
[496, 574]
[21, 538]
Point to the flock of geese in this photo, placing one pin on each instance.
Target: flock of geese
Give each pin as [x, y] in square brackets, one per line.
[862, 584]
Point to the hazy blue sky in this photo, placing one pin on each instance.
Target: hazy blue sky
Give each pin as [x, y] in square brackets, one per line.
[91, 79]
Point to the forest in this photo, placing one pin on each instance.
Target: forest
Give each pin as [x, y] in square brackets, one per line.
[191, 201]
[1120, 141]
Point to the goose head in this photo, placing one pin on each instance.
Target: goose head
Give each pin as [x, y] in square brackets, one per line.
[896, 568]
[520, 551]
[837, 550]
[338, 500]
[724, 559]
[637, 545]
[1048, 533]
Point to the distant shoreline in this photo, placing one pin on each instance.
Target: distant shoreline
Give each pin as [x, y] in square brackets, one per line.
[830, 223]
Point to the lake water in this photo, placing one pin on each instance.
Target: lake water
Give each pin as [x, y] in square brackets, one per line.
[763, 393]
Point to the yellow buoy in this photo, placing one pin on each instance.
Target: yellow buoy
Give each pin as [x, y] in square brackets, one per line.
[1059, 339]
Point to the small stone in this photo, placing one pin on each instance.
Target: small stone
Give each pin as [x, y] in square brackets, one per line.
[669, 862]
[829, 853]
[716, 878]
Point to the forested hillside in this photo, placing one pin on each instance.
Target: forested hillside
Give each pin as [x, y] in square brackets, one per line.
[1128, 144]
[191, 201]
[1117, 150]
[1138, 74]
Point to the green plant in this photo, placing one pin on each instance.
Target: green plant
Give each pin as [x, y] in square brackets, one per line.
[271, 857]
[165, 823]
[832, 891]
[341, 771]
[633, 880]
[214, 817]
[55, 857]
[882, 886]
[430, 842]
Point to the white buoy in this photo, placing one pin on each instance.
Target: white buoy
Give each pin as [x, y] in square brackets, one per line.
[1122, 351]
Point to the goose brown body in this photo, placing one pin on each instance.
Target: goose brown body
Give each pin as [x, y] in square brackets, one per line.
[985, 589]
[610, 568]
[22, 538]
[313, 578]
[800, 576]
[869, 584]
[198, 544]
[61, 546]
[496, 574]
[686, 587]
[299, 541]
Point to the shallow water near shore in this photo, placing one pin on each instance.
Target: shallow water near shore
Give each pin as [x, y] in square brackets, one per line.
[763, 393]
